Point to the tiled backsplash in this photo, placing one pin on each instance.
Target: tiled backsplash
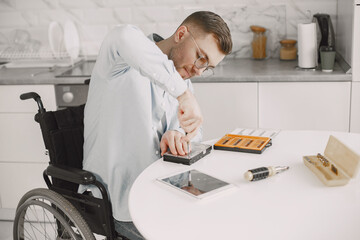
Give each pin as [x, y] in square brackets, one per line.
[94, 18]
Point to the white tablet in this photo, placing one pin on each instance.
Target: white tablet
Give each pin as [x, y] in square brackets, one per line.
[195, 183]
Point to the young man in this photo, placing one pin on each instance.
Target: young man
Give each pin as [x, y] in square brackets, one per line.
[140, 102]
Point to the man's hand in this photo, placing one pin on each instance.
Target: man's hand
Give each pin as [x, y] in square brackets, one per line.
[189, 114]
[175, 141]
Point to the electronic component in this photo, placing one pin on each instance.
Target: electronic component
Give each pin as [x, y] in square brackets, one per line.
[198, 151]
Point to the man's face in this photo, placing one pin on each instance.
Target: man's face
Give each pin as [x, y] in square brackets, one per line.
[188, 49]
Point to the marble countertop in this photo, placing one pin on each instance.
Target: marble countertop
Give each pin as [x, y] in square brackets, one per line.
[230, 70]
[270, 70]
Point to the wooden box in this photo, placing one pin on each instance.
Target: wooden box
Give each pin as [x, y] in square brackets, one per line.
[337, 166]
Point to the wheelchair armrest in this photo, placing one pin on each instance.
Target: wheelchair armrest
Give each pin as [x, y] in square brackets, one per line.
[70, 174]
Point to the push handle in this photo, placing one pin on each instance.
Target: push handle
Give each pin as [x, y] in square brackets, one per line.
[37, 99]
[29, 95]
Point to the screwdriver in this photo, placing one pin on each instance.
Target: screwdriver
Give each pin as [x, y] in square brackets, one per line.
[188, 147]
[263, 172]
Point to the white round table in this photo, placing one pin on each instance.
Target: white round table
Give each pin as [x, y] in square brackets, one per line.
[291, 205]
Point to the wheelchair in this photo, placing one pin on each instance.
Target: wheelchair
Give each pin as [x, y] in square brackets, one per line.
[60, 212]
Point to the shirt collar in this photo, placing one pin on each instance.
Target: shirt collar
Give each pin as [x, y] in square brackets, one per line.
[155, 37]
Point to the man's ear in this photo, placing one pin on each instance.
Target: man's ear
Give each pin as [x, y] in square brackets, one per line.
[180, 33]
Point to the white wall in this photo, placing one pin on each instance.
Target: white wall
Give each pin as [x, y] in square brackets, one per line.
[344, 34]
[94, 18]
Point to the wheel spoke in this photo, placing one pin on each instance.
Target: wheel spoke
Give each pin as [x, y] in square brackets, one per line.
[51, 223]
[63, 232]
[41, 207]
[34, 227]
[27, 234]
[33, 210]
[44, 220]
[31, 227]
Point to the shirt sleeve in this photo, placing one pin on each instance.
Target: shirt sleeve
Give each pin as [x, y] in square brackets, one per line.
[128, 44]
[175, 125]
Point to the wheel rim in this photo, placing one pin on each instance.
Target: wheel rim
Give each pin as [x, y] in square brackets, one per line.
[41, 218]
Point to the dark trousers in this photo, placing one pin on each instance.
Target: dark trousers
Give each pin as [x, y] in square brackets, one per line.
[128, 230]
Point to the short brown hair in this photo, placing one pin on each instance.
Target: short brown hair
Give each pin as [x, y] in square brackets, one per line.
[212, 23]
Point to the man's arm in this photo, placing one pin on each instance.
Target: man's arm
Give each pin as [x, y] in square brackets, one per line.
[174, 137]
[174, 123]
[127, 43]
[189, 114]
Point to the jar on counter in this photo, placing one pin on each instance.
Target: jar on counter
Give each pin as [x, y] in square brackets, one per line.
[259, 42]
[288, 50]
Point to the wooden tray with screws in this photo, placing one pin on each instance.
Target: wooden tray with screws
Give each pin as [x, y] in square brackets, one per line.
[243, 143]
[336, 166]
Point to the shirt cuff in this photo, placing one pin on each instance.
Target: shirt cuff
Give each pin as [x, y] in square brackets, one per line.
[176, 86]
[180, 130]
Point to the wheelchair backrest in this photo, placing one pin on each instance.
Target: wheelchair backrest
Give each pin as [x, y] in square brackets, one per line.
[63, 134]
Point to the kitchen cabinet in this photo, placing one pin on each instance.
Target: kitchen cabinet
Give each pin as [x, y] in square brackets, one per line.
[355, 108]
[226, 106]
[305, 105]
[22, 158]
[17, 178]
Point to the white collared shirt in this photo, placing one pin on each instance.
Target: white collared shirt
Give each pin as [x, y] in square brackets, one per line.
[131, 104]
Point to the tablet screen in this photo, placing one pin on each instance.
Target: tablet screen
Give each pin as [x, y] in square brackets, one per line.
[195, 183]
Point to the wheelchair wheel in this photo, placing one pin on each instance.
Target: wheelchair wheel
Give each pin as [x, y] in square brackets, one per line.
[45, 214]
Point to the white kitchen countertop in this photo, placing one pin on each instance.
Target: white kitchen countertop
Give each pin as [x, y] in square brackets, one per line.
[230, 70]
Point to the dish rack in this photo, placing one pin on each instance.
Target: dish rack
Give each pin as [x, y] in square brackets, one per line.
[43, 55]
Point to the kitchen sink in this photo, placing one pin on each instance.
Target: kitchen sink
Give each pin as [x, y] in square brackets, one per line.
[83, 69]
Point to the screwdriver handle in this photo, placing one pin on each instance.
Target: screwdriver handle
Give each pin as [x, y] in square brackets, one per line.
[263, 172]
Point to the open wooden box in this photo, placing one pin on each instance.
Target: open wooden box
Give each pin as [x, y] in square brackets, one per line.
[338, 165]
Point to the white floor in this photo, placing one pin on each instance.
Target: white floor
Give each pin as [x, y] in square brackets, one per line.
[6, 228]
[6, 231]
